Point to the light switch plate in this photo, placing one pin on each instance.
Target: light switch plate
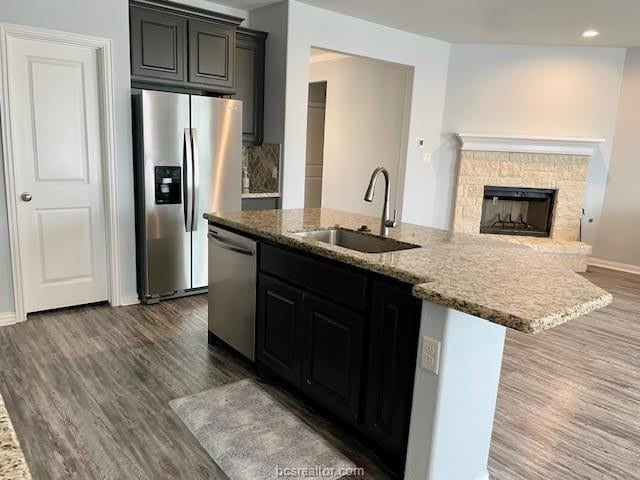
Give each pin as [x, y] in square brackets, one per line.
[430, 354]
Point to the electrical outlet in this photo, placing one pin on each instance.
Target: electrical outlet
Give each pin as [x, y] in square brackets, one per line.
[430, 354]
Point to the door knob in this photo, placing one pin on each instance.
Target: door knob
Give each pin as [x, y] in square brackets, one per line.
[26, 197]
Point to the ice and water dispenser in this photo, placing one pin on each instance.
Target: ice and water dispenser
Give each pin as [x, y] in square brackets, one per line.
[168, 185]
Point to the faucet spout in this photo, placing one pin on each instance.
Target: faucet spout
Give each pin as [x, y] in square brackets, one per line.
[386, 221]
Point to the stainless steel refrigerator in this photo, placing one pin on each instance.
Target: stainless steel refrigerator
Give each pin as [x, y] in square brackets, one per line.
[188, 157]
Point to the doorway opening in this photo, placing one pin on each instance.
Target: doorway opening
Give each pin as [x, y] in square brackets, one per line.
[315, 144]
[357, 120]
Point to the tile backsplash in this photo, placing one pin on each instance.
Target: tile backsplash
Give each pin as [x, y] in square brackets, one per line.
[263, 162]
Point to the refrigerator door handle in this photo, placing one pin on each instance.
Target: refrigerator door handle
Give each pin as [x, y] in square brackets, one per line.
[196, 179]
[188, 181]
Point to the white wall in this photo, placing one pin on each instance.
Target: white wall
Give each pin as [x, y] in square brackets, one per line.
[364, 120]
[619, 233]
[310, 26]
[216, 7]
[554, 91]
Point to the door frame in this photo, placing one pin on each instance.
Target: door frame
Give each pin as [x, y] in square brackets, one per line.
[107, 125]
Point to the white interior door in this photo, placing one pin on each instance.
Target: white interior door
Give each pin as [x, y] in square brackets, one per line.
[55, 129]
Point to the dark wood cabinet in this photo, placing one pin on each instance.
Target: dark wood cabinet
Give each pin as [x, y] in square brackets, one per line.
[158, 45]
[249, 82]
[211, 55]
[393, 344]
[189, 48]
[346, 338]
[332, 361]
[279, 328]
[343, 285]
[270, 203]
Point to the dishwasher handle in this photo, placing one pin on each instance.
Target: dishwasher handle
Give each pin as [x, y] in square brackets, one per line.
[229, 246]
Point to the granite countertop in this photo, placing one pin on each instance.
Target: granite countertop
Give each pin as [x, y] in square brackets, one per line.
[502, 282]
[12, 462]
[257, 194]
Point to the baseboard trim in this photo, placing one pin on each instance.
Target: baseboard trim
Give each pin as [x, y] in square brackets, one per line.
[126, 300]
[8, 318]
[621, 267]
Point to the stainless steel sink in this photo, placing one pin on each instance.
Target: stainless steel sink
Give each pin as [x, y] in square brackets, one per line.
[362, 242]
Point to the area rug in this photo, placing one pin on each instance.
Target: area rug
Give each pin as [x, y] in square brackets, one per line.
[252, 437]
[12, 463]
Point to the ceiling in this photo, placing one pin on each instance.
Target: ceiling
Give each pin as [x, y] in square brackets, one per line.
[320, 55]
[545, 22]
[245, 4]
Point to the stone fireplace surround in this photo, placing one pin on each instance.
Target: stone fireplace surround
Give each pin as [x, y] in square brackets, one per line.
[561, 164]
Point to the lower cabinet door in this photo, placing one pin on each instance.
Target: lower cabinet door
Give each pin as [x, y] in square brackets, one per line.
[395, 324]
[332, 360]
[279, 328]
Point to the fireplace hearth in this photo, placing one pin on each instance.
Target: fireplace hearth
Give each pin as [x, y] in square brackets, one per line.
[517, 211]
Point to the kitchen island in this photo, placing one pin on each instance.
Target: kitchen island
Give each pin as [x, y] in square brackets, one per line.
[468, 288]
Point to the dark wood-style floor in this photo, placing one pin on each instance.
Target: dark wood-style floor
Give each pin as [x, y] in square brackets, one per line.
[87, 390]
[569, 398]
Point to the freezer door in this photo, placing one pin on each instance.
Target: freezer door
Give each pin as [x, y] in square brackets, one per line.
[216, 130]
[167, 243]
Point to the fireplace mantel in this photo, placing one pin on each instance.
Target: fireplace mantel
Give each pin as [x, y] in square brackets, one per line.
[528, 144]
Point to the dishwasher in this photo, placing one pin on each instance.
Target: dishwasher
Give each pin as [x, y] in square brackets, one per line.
[232, 289]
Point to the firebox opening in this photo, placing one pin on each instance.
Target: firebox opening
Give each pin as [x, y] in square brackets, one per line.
[517, 211]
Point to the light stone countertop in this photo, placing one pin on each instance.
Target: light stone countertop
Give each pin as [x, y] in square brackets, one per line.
[261, 195]
[547, 245]
[502, 282]
[12, 462]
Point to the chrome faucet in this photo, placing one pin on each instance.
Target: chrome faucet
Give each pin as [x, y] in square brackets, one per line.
[386, 223]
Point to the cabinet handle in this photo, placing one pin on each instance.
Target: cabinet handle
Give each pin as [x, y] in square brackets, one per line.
[228, 246]
[309, 381]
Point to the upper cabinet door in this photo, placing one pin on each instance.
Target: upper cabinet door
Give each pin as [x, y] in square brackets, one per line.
[211, 55]
[158, 45]
[249, 81]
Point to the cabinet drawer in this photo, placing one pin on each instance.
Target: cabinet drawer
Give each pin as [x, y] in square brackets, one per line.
[321, 276]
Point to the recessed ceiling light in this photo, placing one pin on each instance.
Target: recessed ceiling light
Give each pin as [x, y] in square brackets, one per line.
[590, 33]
